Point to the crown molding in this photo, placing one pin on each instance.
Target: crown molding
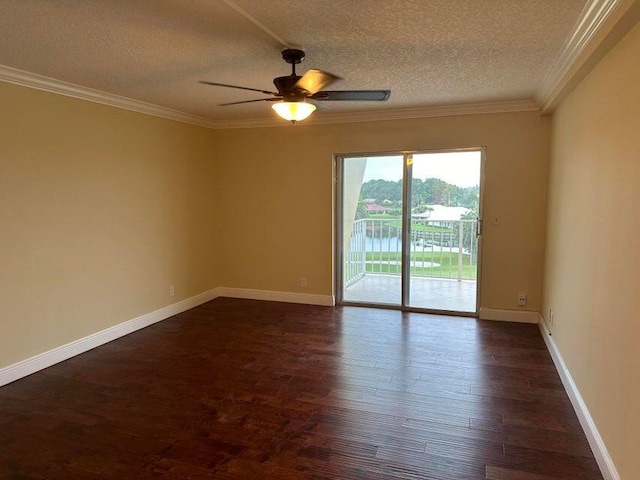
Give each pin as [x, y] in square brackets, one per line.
[48, 84]
[596, 16]
[395, 114]
[52, 85]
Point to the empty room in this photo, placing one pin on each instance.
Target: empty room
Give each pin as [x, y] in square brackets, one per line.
[320, 240]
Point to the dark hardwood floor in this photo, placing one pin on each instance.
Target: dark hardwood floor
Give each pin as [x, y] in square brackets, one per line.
[240, 389]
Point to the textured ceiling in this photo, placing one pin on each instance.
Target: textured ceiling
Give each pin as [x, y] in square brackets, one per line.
[435, 52]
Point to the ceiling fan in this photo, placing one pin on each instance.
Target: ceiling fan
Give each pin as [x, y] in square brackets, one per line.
[297, 95]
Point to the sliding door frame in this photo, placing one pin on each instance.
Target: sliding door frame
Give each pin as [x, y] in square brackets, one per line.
[338, 169]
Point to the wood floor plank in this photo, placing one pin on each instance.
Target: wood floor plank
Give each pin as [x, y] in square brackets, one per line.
[498, 473]
[241, 389]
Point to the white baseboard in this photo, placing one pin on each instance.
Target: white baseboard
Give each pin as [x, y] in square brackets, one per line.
[518, 316]
[288, 297]
[31, 365]
[605, 462]
[41, 361]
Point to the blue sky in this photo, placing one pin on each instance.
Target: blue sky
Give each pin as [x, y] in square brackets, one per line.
[458, 168]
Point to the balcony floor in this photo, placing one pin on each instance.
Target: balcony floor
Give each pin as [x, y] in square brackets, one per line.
[429, 293]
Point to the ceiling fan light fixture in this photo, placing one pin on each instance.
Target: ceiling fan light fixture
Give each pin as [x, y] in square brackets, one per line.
[294, 111]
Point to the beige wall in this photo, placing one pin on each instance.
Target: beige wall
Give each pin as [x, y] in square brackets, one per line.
[592, 274]
[100, 210]
[277, 196]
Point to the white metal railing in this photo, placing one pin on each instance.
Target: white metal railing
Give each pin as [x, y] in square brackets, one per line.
[439, 249]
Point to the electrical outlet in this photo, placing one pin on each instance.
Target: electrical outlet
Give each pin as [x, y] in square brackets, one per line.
[172, 290]
[522, 299]
[303, 282]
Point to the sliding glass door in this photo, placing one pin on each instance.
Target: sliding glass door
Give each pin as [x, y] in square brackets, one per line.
[372, 229]
[408, 230]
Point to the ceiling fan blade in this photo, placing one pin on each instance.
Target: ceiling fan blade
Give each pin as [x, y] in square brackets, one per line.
[353, 95]
[251, 101]
[236, 86]
[315, 80]
[319, 106]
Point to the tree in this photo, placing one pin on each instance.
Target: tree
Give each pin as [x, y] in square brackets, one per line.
[469, 238]
[432, 191]
[361, 210]
[422, 208]
[381, 190]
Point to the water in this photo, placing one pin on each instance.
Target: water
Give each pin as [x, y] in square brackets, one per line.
[394, 244]
[389, 244]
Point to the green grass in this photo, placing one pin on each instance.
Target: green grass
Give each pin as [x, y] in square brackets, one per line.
[415, 226]
[448, 267]
[421, 227]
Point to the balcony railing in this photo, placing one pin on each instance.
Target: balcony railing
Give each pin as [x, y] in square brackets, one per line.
[439, 249]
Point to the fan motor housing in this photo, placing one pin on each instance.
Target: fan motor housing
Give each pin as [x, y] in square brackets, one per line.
[305, 88]
[287, 87]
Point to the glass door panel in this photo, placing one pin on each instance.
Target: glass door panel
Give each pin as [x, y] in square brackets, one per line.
[443, 245]
[371, 244]
[408, 228]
